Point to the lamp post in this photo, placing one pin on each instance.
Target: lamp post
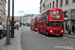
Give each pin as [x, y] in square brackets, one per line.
[8, 25]
[12, 22]
[21, 16]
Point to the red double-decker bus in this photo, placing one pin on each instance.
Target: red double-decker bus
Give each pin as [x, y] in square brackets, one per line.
[51, 22]
[34, 23]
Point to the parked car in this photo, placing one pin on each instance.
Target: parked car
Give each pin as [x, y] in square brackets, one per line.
[5, 28]
[2, 31]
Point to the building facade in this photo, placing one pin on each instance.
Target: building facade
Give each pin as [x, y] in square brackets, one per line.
[27, 18]
[66, 5]
[24, 19]
[3, 11]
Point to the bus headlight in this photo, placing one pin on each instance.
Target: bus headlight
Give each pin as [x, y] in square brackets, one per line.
[62, 31]
[50, 30]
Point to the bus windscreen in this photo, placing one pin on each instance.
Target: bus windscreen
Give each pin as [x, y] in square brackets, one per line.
[54, 24]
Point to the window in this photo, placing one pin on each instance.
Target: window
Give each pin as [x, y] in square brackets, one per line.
[73, 0]
[59, 12]
[66, 2]
[36, 25]
[50, 5]
[47, 23]
[54, 24]
[47, 12]
[53, 12]
[56, 3]
[61, 2]
[53, 4]
[36, 18]
[64, 13]
[46, 17]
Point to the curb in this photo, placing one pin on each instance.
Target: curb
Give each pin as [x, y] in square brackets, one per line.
[19, 47]
[69, 37]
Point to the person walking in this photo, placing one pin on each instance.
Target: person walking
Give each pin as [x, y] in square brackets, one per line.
[17, 27]
[68, 28]
[73, 28]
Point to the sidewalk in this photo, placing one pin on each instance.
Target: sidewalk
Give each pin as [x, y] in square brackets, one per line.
[15, 42]
[72, 35]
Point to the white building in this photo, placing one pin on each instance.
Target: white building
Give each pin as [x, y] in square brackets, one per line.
[68, 6]
[3, 11]
[24, 19]
[28, 17]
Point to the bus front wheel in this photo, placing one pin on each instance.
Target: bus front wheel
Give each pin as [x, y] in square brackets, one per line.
[47, 33]
[39, 31]
[61, 35]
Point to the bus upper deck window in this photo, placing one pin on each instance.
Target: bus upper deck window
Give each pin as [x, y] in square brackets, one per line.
[53, 12]
[36, 18]
[59, 12]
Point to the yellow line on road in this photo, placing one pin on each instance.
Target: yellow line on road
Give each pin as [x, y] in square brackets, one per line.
[64, 37]
[40, 34]
[48, 38]
[43, 35]
[68, 38]
[36, 32]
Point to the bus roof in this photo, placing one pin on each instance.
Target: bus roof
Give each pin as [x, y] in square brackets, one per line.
[52, 9]
[55, 9]
[36, 16]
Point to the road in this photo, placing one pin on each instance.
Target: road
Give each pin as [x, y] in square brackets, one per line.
[32, 40]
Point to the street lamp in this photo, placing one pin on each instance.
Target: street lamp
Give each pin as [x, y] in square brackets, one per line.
[21, 16]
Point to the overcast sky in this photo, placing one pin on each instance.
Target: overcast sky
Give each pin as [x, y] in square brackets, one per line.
[27, 6]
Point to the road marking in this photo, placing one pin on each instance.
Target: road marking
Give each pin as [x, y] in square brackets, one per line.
[36, 32]
[48, 38]
[44, 36]
[40, 34]
[66, 38]
[72, 39]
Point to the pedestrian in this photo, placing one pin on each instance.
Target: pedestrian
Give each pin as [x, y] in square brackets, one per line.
[17, 27]
[73, 28]
[68, 28]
